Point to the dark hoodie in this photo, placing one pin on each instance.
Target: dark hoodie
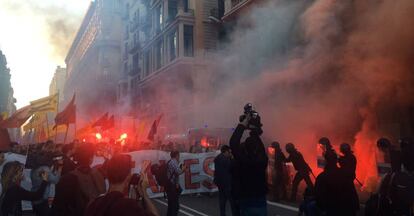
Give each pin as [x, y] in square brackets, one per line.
[75, 190]
[250, 163]
[115, 204]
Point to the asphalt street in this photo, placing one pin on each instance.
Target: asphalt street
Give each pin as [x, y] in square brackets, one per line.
[208, 205]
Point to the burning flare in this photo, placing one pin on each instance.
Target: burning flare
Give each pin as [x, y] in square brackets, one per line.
[98, 136]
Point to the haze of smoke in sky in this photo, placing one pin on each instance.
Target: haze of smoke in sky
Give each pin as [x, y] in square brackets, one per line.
[341, 69]
[61, 22]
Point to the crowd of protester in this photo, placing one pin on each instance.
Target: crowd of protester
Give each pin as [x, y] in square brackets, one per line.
[79, 188]
[241, 174]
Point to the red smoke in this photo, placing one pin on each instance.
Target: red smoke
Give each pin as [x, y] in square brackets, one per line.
[344, 70]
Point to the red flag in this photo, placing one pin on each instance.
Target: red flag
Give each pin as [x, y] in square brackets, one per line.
[154, 128]
[17, 119]
[4, 138]
[101, 121]
[68, 115]
[110, 123]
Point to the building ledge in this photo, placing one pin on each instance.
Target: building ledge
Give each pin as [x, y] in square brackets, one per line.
[234, 12]
[170, 65]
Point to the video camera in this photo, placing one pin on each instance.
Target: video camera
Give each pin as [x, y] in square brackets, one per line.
[255, 120]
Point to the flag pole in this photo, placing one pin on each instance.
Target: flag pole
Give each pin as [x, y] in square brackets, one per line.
[74, 136]
[66, 134]
[57, 111]
[47, 125]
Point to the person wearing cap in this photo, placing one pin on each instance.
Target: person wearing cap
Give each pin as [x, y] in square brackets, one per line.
[328, 152]
[116, 201]
[302, 168]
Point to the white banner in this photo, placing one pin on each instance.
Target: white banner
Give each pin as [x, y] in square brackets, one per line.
[197, 179]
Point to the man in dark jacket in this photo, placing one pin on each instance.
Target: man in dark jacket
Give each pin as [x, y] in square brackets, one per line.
[348, 162]
[328, 189]
[279, 179]
[249, 173]
[116, 202]
[77, 188]
[328, 152]
[222, 178]
[68, 165]
[302, 168]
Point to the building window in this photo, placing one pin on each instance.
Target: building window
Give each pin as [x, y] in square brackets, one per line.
[136, 17]
[126, 50]
[186, 5]
[132, 85]
[127, 11]
[126, 32]
[172, 10]
[135, 64]
[188, 41]
[147, 68]
[158, 18]
[234, 2]
[125, 68]
[172, 40]
[136, 39]
[158, 55]
[124, 89]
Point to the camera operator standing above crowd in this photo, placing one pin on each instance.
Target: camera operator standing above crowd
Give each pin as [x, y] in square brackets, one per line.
[250, 163]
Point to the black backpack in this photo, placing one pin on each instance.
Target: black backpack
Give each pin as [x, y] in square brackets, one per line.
[402, 193]
[396, 196]
[160, 173]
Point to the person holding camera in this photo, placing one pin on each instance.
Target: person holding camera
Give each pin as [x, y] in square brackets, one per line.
[41, 206]
[250, 162]
[13, 194]
[116, 201]
[174, 189]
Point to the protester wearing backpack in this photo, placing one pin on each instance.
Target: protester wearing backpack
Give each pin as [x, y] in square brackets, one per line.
[396, 193]
[76, 189]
